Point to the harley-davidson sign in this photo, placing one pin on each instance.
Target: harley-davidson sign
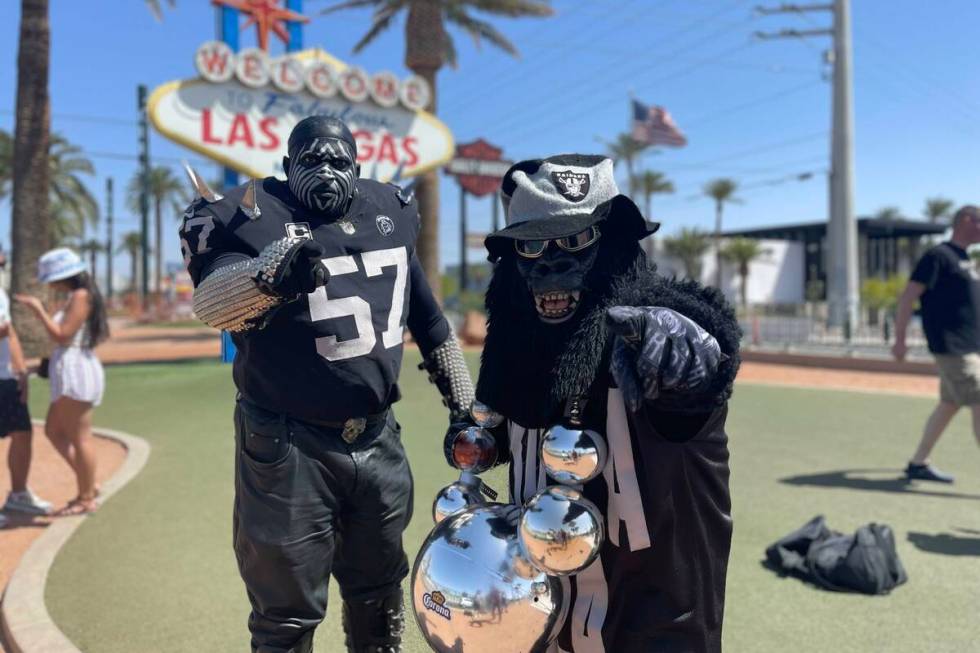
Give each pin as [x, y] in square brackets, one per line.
[241, 109]
[478, 167]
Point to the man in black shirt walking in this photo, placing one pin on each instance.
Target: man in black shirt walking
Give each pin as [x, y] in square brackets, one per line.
[316, 278]
[947, 285]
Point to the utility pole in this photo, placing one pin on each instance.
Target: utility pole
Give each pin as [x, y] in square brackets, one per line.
[463, 280]
[108, 240]
[144, 160]
[842, 269]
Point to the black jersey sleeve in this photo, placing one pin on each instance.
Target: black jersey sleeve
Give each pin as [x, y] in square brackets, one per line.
[428, 325]
[206, 242]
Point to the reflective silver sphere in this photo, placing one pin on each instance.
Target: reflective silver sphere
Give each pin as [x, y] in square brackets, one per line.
[560, 531]
[472, 592]
[573, 456]
[474, 450]
[455, 497]
[485, 416]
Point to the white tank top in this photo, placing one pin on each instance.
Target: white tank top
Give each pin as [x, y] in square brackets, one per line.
[78, 340]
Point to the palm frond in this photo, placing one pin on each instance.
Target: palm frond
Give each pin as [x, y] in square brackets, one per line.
[449, 54]
[479, 29]
[352, 4]
[381, 21]
[511, 8]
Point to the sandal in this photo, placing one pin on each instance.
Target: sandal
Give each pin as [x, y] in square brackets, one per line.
[78, 506]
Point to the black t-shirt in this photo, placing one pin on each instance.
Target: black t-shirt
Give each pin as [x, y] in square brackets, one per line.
[951, 301]
[337, 352]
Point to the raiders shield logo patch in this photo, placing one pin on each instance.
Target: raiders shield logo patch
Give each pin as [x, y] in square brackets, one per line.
[573, 186]
[385, 225]
[299, 230]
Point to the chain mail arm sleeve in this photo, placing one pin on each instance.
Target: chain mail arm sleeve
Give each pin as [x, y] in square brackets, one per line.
[235, 297]
[441, 353]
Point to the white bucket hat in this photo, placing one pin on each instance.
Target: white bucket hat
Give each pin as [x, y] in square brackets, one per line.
[58, 264]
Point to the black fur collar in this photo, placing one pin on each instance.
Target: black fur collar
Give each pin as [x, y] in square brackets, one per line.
[530, 369]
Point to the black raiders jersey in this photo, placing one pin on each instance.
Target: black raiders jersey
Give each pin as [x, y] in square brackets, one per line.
[335, 353]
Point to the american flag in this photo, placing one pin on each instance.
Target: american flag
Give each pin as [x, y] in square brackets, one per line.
[652, 125]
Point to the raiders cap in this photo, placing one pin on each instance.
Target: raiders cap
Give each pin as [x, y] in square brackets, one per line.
[560, 196]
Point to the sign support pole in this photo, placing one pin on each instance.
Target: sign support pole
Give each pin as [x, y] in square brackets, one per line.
[144, 160]
[295, 29]
[463, 281]
[228, 32]
[108, 240]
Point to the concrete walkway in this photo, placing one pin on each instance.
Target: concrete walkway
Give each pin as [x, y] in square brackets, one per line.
[28, 546]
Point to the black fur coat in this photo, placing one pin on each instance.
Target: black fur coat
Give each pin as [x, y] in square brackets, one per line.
[529, 369]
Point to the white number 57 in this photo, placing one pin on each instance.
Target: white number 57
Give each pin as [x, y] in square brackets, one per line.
[324, 308]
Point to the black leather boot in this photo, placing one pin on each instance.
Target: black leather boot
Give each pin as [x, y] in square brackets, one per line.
[375, 626]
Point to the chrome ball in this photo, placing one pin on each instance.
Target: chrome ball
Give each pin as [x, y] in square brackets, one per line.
[454, 498]
[573, 456]
[485, 416]
[560, 531]
[474, 450]
[473, 592]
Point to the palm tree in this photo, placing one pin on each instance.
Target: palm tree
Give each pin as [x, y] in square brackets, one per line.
[132, 244]
[93, 248]
[625, 148]
[164, 188]
[650, 183]
[30, 230]
[6, 163]
[71, 205]
[428, 46]
[888, 213]
[937, 209]
[741, 252]
[77, 207]
[689, 247]
[721, 191]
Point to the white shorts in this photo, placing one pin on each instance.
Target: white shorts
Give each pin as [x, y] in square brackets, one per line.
[76, 373]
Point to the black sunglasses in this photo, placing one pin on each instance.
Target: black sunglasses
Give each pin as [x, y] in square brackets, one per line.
[573, 243]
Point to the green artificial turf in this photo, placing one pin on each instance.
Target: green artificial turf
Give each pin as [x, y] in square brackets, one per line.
[153, 570]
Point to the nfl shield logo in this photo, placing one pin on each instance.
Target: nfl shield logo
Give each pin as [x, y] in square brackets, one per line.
[385, 225]
[573, 186]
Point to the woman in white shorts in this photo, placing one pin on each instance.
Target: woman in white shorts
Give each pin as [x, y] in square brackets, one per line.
[77, 380]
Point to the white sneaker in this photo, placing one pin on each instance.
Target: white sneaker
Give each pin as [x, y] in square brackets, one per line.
[3, 521]
[27, 502]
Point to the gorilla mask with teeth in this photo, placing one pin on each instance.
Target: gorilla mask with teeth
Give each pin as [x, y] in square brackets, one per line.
[571, 241]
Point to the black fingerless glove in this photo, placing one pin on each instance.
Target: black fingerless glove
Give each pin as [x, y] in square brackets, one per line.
[303, 272]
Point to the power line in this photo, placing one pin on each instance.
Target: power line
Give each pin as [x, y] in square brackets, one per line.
[574, 87]
[76, 117]
[479, 83]
[584, 109]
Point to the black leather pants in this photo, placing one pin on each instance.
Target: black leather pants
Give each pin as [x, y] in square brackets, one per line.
[308, 505]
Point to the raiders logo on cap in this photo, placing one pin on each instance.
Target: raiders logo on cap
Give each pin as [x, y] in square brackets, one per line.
[573, 186]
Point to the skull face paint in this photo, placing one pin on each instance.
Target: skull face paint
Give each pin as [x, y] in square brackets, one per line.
[321, 175]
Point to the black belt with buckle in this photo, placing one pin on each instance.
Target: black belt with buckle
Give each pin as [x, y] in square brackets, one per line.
[351, 428]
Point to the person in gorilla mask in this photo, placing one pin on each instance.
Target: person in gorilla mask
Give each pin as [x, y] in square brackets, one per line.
[581, 325]
[316, 278]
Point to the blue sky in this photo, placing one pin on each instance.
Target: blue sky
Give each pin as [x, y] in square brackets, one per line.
[757, 111]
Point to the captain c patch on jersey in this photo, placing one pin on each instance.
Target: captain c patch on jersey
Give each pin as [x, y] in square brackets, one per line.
[299, 230]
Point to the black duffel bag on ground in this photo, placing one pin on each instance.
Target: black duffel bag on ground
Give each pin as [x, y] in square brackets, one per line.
[866, 561]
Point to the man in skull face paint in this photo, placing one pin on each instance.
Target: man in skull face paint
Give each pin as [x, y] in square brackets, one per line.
[578, 320]
[316, 278]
